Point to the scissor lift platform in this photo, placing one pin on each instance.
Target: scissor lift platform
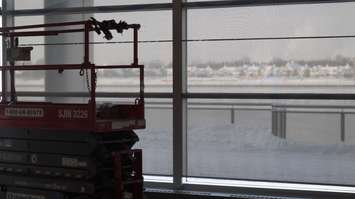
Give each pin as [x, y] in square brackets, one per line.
[90, 116]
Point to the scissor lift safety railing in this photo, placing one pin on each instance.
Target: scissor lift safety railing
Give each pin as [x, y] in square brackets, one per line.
[85, 117]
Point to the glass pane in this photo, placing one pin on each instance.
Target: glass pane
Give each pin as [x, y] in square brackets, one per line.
[40, 4]
[128, 2]
[34, 4]
[155, 53]
[219, 62]
[49, 50]
[299, 127]
[156, 139]
[287, 141]
[350, 127]
[31, 80]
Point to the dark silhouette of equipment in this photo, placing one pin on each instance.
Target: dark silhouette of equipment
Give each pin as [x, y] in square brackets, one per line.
[65, 150]
[107, 25]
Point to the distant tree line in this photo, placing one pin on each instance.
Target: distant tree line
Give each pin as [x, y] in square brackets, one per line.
[158, 69]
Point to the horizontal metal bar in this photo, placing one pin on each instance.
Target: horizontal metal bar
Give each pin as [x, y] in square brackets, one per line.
[86, 94]
[314, 106]
[317, 112]
[43, 25]
[66, 67]
[163, 6]
[228, 109]
[98, 42]
[198, 105]
[93, 9]
[252, 3]
[118, 66]
[217, 104]
[274, 38]
[276, 192]
[257, 104]
[40, 33]
[254, 109]
[286, 96]
[46, 67]
[190, 107]
[309, 96]
[173, 194]
[157, 108]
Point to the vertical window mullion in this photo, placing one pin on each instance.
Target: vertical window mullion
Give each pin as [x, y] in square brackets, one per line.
[179, 88]
[7, 21]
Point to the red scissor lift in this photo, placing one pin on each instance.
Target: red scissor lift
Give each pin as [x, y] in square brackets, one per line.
[109, 168]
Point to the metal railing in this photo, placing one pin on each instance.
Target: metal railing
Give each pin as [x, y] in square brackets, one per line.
[279, 112]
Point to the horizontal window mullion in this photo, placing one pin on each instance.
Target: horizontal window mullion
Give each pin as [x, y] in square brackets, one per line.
[309, 96]
[250, 3]
[93, 9]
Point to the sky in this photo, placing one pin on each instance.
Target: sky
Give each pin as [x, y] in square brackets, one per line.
[271, 21]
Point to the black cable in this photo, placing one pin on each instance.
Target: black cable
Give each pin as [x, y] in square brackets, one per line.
[205, 40]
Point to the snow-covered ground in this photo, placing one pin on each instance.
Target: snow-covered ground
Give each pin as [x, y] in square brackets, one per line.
[246, 150]
[231, 151]
[218, 84]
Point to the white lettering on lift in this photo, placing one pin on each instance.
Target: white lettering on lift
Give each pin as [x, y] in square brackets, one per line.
[24, 112]
[73, 162]
[12, 195]
[73, 114]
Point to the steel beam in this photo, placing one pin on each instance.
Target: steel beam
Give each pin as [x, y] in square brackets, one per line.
[164, 6]
[92, 9]
[281, 96]
[286, 96]
[254, 192]
[179, 87]
[252, 3]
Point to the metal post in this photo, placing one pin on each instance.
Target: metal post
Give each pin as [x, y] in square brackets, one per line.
[12, 73]
[284, 122]
[342, 126]
[7, 21]
[179, 88]
[142, 84]
[135, 46]
[232, 115]
[275, 121]
[279, 121]
[3, 74]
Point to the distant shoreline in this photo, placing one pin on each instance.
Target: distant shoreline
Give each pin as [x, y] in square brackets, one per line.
[215, 85]
[214, 82]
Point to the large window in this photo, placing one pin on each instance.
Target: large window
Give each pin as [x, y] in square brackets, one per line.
[288, 49]
[234, 50]
[237, 139]
[231, 49]
[154, 52]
